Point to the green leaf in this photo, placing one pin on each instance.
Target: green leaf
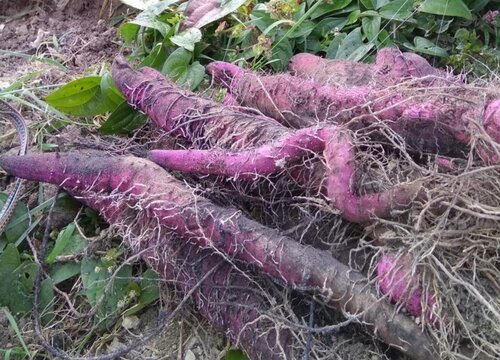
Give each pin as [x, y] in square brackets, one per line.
[400, 10]
[123, 120]
[46, 300]
[15, 228]
[234, 354]
[304, 29]
[128, 32]
[425, 46]
[282, 52]
[352, 47]
[109, 90]
[371, 27]
[193, 76]
[446, 8]
[75, 93]
[12, 291]
[177, 63]
[67, 243]
[149, 292]
[95, 279]
[65, 271]
[333, 48]
[156, 57]
[81, 97]
[329, 8]
[187, 39]
[149, 19]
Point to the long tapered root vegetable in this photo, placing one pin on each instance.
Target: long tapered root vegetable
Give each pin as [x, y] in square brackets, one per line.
[441, 124]
[396, 280]
[116, 186]
[238, 143]
[391, 67]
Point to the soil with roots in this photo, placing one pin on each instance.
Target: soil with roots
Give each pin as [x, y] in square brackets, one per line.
[454, 251]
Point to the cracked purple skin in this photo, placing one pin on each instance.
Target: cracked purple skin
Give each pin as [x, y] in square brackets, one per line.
[395, 279]
[234, 142]
[196, 221]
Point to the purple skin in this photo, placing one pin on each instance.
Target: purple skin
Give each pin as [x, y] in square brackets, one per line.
[265, 160]
[299, 103]
[281, 155]
[230, 100]
[339, 155]
[203, 123]
[136, 183]
[396, 280]
[226, 129]
[391, 67]
[492, 127]
[292, 101]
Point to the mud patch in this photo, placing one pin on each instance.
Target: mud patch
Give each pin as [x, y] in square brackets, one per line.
[73, 36]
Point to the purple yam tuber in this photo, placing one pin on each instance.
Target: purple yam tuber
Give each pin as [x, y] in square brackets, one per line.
[396, 280]
[391, 67]
[440, 126]
[122, 186]
[190, 117]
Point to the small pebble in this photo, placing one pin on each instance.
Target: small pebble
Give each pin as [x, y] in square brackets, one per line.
[189, 355]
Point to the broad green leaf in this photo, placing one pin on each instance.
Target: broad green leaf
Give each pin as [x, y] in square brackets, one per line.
[62, 241]
[329, 8]
[282, 52]
[371, 27]
[123, 120]
[476, 5]
[68, 242]
[446, 8]
[150, 20]
[82, 97]
[400, 10]
[156, 57]
[333, 48]
[368, 4]
[15, 228]
[99, 104]
[75, 93]
[64, 271]
[234, 354]
[187, 39]
[304, 29]
[379, 3]
[352, 47]
[46, 300]
[13, 292]
[177, 63]
[95, 279]
[193, 76]
[425, 46]
[149, 292]
[128, 32]
[109, 89]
